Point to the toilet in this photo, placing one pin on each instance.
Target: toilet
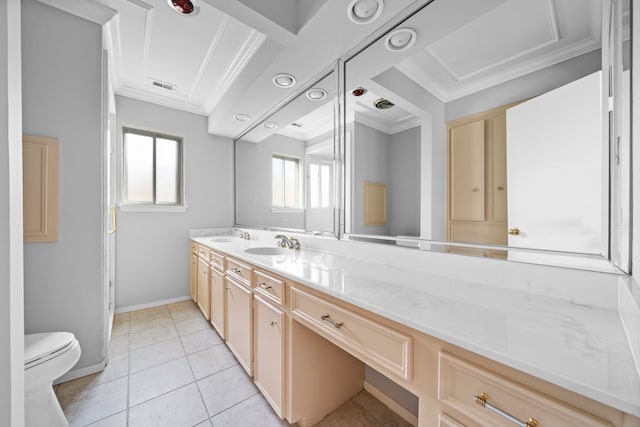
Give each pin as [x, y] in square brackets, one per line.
[47, 356]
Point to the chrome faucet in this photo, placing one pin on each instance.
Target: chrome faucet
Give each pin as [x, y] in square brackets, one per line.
[285, 242]
[245, 235]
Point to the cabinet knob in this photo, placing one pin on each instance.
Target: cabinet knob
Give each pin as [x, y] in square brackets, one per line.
[514, 231]
[264, 286]
[475, 190]
[274, 323]
[500, 188]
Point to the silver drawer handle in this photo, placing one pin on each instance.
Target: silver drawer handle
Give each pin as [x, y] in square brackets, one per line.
[264, 286]
[481, 399]
[235, 270]
[328, 319]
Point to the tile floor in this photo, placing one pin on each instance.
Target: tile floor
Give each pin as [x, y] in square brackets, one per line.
[170, 368]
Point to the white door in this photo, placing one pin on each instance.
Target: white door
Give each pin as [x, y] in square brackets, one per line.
[555, 169]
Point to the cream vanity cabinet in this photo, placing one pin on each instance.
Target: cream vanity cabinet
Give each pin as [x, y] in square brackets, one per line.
[203, 298]
[239, 299]
[193, 272]
[269, 338]
[217, 293]
[307, 350]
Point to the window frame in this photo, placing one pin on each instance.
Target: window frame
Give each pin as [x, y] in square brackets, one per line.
[299, 184]
[180, 205]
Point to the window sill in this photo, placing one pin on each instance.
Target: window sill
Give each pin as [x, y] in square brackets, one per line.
[286, 210]
[151, 208]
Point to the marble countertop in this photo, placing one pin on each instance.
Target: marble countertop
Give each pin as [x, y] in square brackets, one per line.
[580, 348]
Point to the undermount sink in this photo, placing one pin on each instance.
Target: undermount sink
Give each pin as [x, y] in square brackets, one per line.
[269, 250]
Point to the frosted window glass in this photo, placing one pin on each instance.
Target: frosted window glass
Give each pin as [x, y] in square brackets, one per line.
[138, 152]
[167, 169]
[278, 182]
[314, 184]
[290, 183]
[325, 185]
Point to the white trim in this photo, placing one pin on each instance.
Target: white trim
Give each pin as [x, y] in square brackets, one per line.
[151, 304]
[391, 404]
[81, 372]
[90, 11]
[152, 208]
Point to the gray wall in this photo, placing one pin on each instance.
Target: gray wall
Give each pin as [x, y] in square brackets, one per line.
[61, 56]
[253, 182]
[371, 163]
[152, 248]
[404, 183]
[11, 257]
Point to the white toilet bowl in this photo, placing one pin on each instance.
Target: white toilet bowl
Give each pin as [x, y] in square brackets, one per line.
[47, 356]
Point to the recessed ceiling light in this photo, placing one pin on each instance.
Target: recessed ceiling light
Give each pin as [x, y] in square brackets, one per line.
[184, 7]
[364, 11]
[270, 125]
[383, 104]
[284, 80]
[359, 91]
[400, 39]
[316, 94]
[241, 117]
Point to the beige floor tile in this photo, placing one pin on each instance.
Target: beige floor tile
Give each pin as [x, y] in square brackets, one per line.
[121, 317]
[153, 382]
[147, 312]
[204, 424]
[117, 420]
[253, 412]
[184, 310]
[118, 367]
[119, 345]
[378, 410]
[226, 389]
[120, 324]
[349, 415]
[180, 408]
[93, 403]
[152, 336]
[210, 361]
[201, 340]
[189, 326]
[156, 354]
[143, 323]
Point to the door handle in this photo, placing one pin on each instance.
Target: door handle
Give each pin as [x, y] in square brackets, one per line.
[514, 231]
[114, 225]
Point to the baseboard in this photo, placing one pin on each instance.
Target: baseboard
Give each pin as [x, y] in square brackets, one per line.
[81, 372]
[391, 404]
[150, 304]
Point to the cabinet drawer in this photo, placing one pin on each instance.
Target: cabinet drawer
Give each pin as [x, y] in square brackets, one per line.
[239, 270]
[270, 287]
[203, 253]
[445, 420]
[216, 260]
[460, 381]
[373, 343]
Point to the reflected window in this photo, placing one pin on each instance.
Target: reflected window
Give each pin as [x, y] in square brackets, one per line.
[285, 182]
[152, 172]
[320, 185]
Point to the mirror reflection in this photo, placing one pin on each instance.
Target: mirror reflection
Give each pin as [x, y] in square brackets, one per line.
[488, 123]
[285, 165]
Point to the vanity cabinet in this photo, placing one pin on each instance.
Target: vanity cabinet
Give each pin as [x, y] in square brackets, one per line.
[218, 294]
[193, 272]
[203, 299]
[239, 299]
[269, 351]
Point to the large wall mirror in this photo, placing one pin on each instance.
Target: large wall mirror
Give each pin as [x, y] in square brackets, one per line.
[498, 128]
[286, 177]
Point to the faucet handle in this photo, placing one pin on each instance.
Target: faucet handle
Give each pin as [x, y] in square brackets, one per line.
[295, 242]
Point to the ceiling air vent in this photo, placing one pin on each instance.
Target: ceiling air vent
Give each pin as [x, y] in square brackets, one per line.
[163, 85]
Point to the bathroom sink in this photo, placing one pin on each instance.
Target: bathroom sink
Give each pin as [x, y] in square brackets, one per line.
[269, 250]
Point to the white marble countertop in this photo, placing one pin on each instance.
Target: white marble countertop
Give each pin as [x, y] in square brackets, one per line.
[580, 348]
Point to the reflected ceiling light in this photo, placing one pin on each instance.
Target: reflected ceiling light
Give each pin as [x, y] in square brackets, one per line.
[284, 80]
[383, 104]
[359, 91]
[184, 7]
[364, 11]
[400, 39]
[316, 94]
[241, 117]
[270, 125]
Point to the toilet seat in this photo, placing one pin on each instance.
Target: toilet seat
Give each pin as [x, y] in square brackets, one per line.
[38, 348]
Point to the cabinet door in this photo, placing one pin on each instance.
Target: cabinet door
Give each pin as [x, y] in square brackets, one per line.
[269, 340]
[499, 170]
[203, 289]
[467, 172]
[239, 323]
[218, 302]
[193, 277]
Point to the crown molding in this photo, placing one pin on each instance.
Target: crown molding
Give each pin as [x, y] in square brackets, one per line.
[86, 9]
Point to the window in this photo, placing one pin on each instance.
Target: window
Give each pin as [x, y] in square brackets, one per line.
[320, 179]
[152, 172]
[286, 182]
